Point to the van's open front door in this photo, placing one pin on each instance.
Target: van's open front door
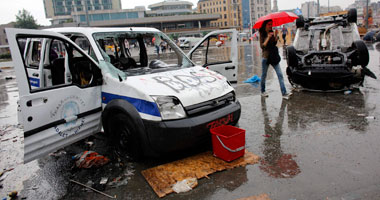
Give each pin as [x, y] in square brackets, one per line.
[218, 52]
[66, 105]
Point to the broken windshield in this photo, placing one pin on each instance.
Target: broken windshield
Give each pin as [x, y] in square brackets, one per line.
[140, 52]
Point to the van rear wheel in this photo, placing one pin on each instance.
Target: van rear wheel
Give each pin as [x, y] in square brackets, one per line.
[123, 135]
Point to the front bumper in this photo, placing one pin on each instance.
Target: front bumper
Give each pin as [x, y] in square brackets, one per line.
[177, 135]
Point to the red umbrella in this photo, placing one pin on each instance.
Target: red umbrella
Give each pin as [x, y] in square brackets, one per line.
[278, 18]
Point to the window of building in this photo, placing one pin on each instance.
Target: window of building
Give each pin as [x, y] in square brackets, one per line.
[225, 16]
[225, 23]
[225, 8]
[234, 15]
[214, 9]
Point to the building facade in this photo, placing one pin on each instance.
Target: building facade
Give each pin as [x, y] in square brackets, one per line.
[230, 12]
[260, 8]
[60, 11]
[3, 38]
[246, 14]
[167, 8]
[309, 9]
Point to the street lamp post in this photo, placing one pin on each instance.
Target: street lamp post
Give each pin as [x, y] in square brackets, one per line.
[366, 16]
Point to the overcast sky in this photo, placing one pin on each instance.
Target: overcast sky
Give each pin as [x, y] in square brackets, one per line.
[10, 8]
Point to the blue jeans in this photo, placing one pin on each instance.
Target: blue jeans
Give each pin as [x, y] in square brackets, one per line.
[277, 68]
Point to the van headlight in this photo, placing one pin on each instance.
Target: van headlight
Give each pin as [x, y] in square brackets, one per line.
[170, 107]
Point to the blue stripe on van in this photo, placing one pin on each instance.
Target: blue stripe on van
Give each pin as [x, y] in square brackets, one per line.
[142, 106]
[35, 82]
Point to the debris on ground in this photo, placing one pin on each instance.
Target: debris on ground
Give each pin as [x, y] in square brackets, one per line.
[347, 92]
[3, 172]
[8, 139]
[121, 180]
[109, 196]
[90, 143]
[13, 194]
[370, 117]
[8, 78]
[259, 197]
[58, 153]
[89, 159]
[185, 185]
[103, 181]
[361, 115]
[162, 177]
[253, 79]
[266, 135]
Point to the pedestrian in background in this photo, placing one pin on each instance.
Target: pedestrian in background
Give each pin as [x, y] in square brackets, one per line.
[268, 41]
[284, 33]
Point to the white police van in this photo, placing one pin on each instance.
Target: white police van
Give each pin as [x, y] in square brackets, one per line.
[75, 81]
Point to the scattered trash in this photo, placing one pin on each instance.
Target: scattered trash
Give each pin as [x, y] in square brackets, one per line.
[361, 115]
[185, 185]
[266, 135]
[9, 139]
[253, 79]
[90, 159]
[347, 92]
[58, 153]
[3, 172]
[89, 143]
[370, 117]
[8, 78]
[103, 181]
[112, 197]
[13, 194]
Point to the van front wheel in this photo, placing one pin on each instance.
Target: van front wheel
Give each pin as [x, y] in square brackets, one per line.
[123, 135]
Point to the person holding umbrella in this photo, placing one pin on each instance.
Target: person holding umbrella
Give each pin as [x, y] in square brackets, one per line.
[268, 41]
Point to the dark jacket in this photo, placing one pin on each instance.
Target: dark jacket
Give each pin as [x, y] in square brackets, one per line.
[271, 42]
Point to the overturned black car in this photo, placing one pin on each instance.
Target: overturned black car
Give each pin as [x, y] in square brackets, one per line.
[327, 54]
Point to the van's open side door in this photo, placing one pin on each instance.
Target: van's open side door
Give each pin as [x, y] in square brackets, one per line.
[218, 51]
[61, 111]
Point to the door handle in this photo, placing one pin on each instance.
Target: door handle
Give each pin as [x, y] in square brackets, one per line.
[36, 102]
[227, 68]
[35, 74]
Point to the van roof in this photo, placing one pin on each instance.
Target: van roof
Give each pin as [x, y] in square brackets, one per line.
[91, 30]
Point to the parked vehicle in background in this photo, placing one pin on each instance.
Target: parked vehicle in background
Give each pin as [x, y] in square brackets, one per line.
[327, 54]
[75, 81]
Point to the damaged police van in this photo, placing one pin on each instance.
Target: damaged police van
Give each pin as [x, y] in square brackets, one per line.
[327, 54]
[75, 81]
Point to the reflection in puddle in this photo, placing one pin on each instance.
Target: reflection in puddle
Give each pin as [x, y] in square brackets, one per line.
[275, 162]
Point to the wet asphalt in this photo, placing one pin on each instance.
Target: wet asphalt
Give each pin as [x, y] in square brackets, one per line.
[313, 146]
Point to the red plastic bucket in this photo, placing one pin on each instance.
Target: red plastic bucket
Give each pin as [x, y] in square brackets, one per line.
[228, 142]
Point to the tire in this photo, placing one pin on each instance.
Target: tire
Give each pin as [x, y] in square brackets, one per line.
[291, 56]
[362, 55]
[300, 22]
[352, 16]
[123, 134]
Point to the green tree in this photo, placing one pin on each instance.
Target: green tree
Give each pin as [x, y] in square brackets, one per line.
[25, 20]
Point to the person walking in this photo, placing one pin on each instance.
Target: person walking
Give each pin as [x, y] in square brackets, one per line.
[268, 41]
[284, 33]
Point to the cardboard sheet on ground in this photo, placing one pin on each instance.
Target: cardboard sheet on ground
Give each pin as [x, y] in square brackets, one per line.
[162, 177]
[259, 197]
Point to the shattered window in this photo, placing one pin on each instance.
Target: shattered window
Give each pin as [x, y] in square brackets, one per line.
[136, 53]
